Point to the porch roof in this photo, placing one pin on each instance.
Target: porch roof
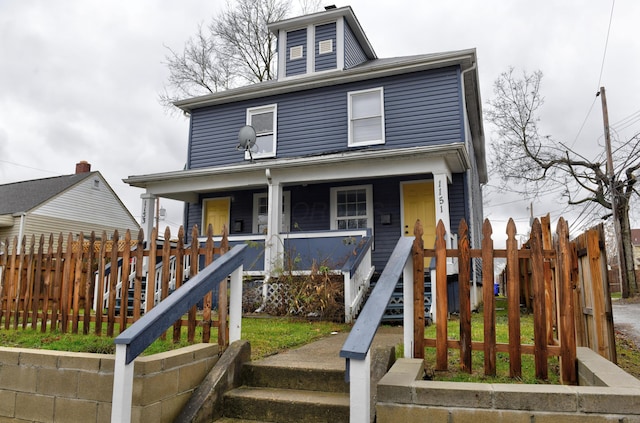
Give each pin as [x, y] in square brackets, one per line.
[186, 185]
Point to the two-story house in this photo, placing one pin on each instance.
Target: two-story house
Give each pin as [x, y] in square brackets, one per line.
[347, 145]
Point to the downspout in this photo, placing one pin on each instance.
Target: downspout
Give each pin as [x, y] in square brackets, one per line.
[23, 218]
[474, 230]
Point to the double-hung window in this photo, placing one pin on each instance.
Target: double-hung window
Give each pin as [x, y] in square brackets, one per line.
[366, 117]
[352, 207]
[263, 119]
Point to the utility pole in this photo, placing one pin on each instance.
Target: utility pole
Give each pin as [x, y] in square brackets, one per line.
[622, 266]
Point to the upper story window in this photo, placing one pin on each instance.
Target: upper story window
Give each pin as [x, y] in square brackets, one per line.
[263, 119]
[366, 117]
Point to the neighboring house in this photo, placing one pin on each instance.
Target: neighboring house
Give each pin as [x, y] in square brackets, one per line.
[348, 144]
[81, 202]
[635, 241]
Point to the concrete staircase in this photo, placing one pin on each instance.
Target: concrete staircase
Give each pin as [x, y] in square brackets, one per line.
[306, 384]
[292, 391]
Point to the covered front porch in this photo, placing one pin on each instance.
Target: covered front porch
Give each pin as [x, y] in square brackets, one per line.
[342, 211]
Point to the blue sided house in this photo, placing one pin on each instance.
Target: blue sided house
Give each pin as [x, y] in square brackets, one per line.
[349, 151]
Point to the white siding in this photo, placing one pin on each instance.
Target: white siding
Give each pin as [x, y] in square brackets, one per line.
[96, 205]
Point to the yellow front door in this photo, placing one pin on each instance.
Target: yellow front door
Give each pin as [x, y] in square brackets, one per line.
[419, 203]
[216, 213]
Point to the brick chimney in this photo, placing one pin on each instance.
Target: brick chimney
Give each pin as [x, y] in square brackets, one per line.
[83, 167]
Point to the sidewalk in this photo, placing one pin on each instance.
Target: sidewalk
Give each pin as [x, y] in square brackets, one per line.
[325, 353]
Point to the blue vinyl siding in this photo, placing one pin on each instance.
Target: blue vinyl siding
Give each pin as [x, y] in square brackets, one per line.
[353, 53]
[298, 66]
[421, 108]
[457, 202]
[328, 60]
[311, 209]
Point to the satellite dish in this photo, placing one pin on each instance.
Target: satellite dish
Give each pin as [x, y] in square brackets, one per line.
[246, 137]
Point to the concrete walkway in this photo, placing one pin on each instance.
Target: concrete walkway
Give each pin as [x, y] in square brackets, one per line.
[626, 319]
[325, 353]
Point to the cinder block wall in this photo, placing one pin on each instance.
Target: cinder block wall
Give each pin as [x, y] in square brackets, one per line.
[55, 386]
[609, 395]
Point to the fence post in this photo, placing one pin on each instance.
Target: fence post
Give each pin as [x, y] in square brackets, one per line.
[489, 300]
[464, 275]
[539, 314]
[513, 298]
[442, 302]
[418, 291]
[568, 371]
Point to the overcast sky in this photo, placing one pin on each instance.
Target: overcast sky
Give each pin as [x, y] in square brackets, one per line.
[79, 79]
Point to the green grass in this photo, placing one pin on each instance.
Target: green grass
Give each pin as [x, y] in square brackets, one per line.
[267, 336]
[502, 359]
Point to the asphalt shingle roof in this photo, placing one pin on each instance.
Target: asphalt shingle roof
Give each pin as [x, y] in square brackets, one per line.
[18, 197]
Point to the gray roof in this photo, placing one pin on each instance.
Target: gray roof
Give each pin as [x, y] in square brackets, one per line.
[19, 197]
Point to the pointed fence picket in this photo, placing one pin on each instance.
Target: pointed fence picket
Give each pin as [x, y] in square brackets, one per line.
[552, 279]
[53, 286]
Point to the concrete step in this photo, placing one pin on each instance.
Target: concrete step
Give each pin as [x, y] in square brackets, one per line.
[286, 405]
[232, 420]
[320, 378]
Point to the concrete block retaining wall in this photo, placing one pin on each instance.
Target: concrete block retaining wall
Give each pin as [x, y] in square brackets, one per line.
[607, 394]
[54, 386]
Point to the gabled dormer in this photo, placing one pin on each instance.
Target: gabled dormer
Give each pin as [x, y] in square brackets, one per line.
[325, 41]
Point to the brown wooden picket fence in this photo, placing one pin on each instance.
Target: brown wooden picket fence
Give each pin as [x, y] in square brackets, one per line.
[52, 286]
[543, 276]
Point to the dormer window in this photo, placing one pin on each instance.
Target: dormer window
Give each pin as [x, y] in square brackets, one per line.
[366, 117]
[263, 119]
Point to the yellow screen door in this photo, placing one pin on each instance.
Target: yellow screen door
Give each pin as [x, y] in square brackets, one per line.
[216, 213]
[419, 203]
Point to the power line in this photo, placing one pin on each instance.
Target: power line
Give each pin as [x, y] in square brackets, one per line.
[604, 55]
[30, 167]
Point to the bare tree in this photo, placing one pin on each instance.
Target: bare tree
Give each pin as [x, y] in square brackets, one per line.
[234, 49]
[529, 163]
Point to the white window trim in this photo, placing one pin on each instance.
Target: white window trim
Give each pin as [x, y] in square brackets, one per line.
[350, 95]
[255, 111]
[334, 204]
[286, 205]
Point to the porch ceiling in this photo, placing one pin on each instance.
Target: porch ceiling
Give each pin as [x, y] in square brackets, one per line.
[186, 185]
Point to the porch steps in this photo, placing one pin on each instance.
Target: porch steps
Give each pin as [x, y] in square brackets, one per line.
[395, 309]
[292, 391]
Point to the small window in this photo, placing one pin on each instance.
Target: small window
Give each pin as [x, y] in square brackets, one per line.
[366, 117]
[325, 46]
[352, 207]
[263, 119]
[96, 184]
[295, 53]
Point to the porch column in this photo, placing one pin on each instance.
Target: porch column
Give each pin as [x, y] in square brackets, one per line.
[274, 245]
[441, 195]
[148, 214]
